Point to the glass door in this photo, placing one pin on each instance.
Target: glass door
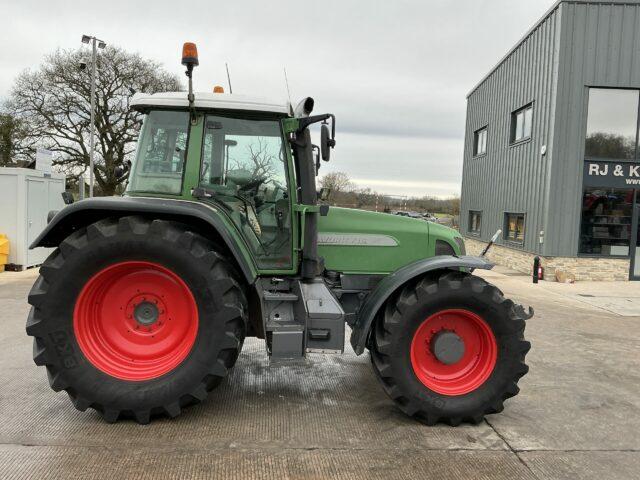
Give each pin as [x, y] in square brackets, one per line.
[635, 241]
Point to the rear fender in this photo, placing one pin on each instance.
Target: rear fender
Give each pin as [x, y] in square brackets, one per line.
[391, 283]
[206, 219]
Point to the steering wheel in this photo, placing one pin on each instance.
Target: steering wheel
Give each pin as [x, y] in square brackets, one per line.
[252, 185]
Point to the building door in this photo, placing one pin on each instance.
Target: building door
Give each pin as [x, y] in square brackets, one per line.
[635, 241]
[36, 216]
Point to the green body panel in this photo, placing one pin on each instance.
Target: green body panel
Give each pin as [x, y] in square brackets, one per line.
[359, 241]
[194, 154]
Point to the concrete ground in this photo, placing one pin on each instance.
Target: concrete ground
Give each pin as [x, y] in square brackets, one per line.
[577, 416]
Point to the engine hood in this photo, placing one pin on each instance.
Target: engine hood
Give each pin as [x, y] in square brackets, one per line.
[358, 241]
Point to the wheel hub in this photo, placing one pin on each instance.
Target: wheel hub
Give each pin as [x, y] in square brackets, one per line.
[135, 320]
[453, 352]
[448, 347]
[146, 313]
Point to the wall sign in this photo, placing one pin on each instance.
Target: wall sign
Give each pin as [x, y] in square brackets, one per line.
[44, 160]
[611, 174]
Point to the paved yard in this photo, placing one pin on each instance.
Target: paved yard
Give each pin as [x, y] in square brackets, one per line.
[578, 415]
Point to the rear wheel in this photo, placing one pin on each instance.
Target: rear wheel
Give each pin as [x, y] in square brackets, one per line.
[136, 318]
[450, 349]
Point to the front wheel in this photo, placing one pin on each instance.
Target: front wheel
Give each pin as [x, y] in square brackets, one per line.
[136, 317]
[450, 349]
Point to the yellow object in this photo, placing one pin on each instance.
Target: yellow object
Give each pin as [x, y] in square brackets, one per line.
[4, 251]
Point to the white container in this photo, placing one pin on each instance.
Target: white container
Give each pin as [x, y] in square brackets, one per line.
[26, 197]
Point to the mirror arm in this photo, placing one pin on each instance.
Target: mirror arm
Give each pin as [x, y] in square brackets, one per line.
[305, 122]
[316, 150]
[190, 96]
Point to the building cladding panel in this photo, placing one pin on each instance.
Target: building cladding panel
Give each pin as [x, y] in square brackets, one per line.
[576, 45]
[512, 178]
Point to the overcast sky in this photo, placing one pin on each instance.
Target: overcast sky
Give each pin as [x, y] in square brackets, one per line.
[395, 73]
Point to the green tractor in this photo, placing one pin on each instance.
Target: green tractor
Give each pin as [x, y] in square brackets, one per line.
[144, 304]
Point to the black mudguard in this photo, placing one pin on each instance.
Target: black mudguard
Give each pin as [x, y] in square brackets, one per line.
[80, 214]
[377, 298]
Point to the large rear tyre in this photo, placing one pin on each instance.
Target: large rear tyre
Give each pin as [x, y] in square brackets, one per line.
[450, 349]
[136, 318]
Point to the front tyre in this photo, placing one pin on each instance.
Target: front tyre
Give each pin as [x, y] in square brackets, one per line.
[450, 349]
[136, 318]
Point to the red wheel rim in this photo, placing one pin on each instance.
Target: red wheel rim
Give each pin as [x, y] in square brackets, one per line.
[135, 320]
[471, 370]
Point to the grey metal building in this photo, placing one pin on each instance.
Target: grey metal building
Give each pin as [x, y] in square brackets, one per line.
[551, 145]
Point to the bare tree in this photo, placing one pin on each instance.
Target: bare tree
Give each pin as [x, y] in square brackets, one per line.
[346, 194]
[337, 182]
[54, 103]
[263, 159]
[259, 159]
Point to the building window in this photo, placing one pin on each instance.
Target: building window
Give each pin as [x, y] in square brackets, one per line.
[480, 142]
[475, 220]
[514, 227]
[606, 221]
[521, 123]
[611, 124]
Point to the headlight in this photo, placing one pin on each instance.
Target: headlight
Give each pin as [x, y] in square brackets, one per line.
[460, 242]
[444, 248]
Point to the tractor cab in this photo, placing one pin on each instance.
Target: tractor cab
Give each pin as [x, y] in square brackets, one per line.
[229, 150]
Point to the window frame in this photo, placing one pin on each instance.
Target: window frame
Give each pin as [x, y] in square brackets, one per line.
[476, 139]
[478, 232]
[589, 158]
[291, 190]
[180, 193]
[510, 241]
[513, 127]
[586, 157]
[629, 255]
[240, 116]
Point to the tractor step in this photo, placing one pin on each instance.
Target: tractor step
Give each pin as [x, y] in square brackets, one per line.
[279, 296]
[324, 319]
[301, 317]
[287, 342]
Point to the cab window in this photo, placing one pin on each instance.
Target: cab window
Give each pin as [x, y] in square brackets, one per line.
[161, 152]
[245, 165]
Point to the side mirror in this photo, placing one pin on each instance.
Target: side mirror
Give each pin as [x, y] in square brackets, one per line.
[326, 142]
[325, 193]
[67, 198]
[121, 170]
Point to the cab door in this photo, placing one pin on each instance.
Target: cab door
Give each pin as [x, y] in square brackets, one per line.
[245, 163]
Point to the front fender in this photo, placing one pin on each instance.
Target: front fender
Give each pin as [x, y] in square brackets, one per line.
[207, 218]
[391, 283]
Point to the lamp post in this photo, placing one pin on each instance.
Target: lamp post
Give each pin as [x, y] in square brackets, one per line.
[95, 44]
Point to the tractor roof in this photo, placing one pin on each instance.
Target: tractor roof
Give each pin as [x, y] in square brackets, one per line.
[205, 100]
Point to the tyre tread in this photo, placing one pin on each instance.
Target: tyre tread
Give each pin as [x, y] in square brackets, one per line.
[381, 345]
[234, 301]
